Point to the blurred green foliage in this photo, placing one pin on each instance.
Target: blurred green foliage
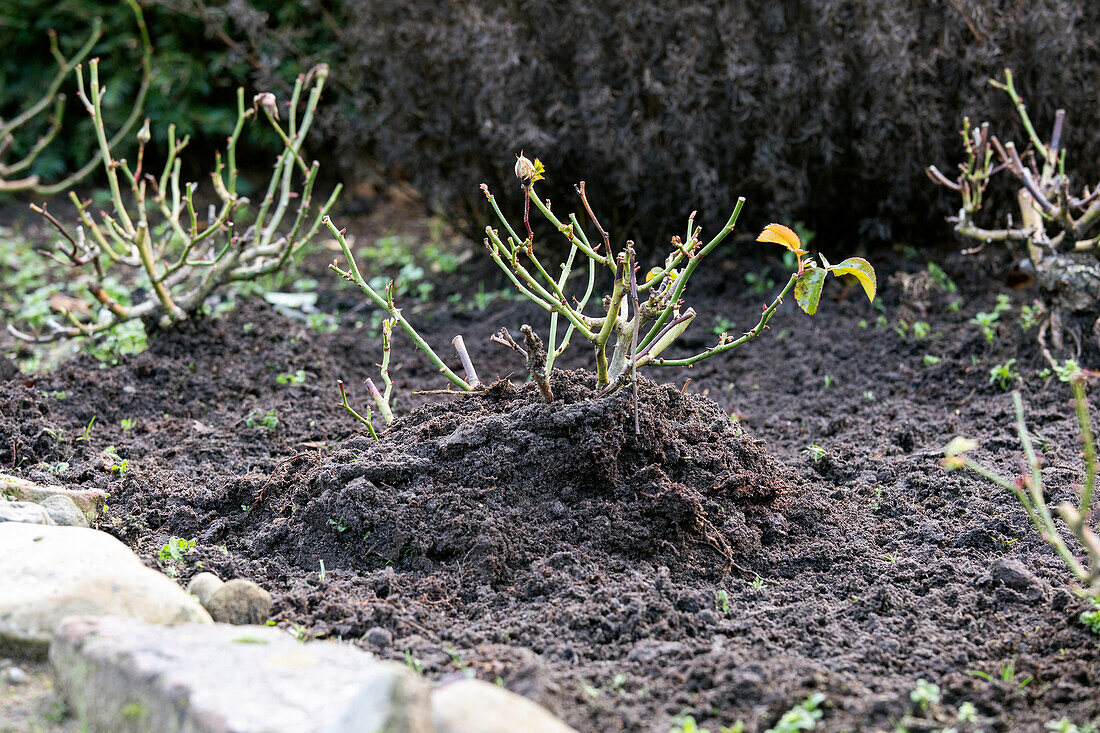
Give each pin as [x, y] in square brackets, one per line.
[194, 77]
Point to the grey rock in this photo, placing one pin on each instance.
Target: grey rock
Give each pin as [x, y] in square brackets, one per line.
[23, 512]
[202, 585]
[64, 511]
[89, 501]
[214, 678]
[239, 602]
[1013, 574]
[49, 573]
[473, 706]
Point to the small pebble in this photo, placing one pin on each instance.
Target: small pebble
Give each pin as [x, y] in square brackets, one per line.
[203, 585]
[16, 676]
[239, 602]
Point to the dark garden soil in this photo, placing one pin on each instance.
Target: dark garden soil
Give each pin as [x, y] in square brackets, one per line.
[704, 565]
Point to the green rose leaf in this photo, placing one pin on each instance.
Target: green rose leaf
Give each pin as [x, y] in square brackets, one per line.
[807, 289]
[861, 270]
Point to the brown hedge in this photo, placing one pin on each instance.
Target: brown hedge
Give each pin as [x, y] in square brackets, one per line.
[820, 110]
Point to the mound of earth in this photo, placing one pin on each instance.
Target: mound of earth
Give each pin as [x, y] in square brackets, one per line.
[496, 480]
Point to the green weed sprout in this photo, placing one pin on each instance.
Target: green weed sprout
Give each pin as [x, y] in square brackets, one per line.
[628, 328]
[14, 175]
[1058, 231]
[1028, 490]
[153, 226]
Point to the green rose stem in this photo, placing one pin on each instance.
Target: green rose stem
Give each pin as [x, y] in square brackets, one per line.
[356, 415]
[1028, 490]
[641, 318]
[722, 347]
[353, 275]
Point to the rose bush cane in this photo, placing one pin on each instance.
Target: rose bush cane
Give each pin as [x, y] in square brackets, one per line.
[632, 324]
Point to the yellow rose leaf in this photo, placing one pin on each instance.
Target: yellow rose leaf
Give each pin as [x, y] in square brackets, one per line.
[861, 270]
[782, 235]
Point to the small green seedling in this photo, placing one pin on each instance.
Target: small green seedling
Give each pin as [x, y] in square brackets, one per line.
[722, 326]
[941, 278]
[1064, 370]
[803, 716]
[175, 549]
[686, 724]
[925, 694]
[413, 663]
[1007, 675]
[56, 468]
[1031, 316]
[296, 377]
[814, 452]
[86, 436]
[126, 424]
[1004, 375]
[113, 462]
[341, 524]
[268, 420]
[930, 360]
[759, 283]
[987, 322]
[722, 601]
[1065, 726]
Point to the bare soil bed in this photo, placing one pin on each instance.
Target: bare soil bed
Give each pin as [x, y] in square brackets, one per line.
[706, 565]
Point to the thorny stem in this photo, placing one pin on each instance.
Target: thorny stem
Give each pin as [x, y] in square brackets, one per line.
[634, 343]
[1033, 500]
[179, 282]
[353, 275]
[344, 403]
[756, 330]
[527, 213]
[381, 401]
[565, 270]
[135, 110]
[1021, 110]
[592, 215]
[682, 280]
[580, 309]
